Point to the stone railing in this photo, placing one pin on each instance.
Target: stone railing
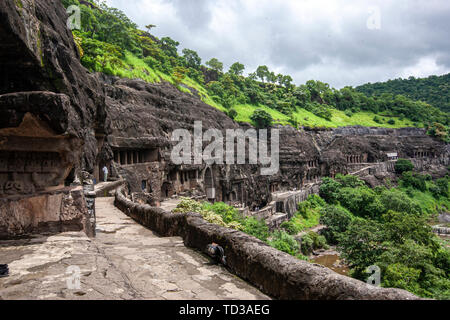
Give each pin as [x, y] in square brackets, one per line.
[274, 272]
[439, 230]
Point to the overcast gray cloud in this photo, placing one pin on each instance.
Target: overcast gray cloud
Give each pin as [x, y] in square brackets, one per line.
[342, 42]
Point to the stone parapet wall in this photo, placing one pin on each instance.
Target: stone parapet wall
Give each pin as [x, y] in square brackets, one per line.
[287, 202]
[273, 272]
[441, 230]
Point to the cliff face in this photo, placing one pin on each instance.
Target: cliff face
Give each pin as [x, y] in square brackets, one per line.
[52, 115]
[145, 115]
[38, 60]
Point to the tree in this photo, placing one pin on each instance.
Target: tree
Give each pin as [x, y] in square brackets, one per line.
[396, 200]
[280, 79]
[287, 82]
[252, 76]
[271, 77]
[337, 220]
[442, 185]
[403, 165]
[237, 69]
[361, 245]
[398, 275]
[362, 201]
[191, 59]
[414, 180]
[262, 72]
[401, 226]
[350, 181]
[215, 64]
[261, 119]
[169, 46]
[329, 190]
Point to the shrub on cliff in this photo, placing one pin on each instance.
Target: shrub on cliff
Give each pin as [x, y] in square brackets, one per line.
[403, 165]
[441, 188]
[438, 130]
[228, 213]
[256, 228]
[219, 213]
[414, 180]
[312, 241]
[261, 119]
[232, 113]
[290, 227]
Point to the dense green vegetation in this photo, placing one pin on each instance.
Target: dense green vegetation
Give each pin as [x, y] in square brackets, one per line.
[434, 90]
[111, 43]
[389, 228]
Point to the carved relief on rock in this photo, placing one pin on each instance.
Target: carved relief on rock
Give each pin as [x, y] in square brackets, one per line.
[28, 172]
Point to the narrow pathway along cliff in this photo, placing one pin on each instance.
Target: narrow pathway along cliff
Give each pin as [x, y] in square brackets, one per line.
[124, 261]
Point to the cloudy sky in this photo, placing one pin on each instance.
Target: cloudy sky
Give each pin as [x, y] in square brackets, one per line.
[342, 42]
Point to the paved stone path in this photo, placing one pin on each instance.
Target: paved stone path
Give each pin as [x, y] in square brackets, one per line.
[124, 261]
[170, 204]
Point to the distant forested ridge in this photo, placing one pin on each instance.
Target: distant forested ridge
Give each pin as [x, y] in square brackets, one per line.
[434, 90]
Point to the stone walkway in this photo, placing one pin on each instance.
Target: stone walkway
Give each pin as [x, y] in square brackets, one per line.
[124, 261]
[170, 204]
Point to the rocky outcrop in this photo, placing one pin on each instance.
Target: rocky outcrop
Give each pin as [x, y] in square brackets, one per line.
[52, 117]
[40, 66]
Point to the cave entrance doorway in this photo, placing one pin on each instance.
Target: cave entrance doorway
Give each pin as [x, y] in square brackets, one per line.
[165, 190]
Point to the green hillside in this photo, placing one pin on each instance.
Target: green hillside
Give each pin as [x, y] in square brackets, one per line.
[111, 43]
[434, 90]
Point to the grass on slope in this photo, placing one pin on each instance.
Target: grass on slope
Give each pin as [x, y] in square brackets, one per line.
[429, 204]
[306, 118]
[136, 68]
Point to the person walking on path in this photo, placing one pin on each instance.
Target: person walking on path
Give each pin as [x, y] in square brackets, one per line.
[105, 174]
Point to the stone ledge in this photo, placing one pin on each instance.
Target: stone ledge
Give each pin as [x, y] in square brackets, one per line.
[53, 212]
[102, 189]
[274, 272]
